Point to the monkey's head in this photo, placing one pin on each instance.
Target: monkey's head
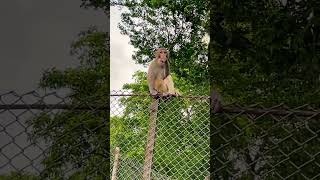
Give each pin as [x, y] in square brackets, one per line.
[162, 56]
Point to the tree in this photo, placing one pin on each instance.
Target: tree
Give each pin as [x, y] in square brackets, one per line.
[19, 176]
[281, 66]
[279, 61]
[176, 25]
[278, 72]
[97, 4]
[78, 138]
[184, 139]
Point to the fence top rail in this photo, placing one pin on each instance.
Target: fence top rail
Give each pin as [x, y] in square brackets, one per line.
[148, 95]
[233, 108]
[270, 111]
[227, 109]
[51, 106]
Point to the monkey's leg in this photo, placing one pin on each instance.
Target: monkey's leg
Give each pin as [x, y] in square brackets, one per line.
[160, 86]
[170, 86]
[169, 83]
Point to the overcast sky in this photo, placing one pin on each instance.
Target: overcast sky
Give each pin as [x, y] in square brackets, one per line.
[122, 65]
[36, 35]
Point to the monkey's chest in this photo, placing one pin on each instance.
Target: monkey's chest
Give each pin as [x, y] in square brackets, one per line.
[160, 74]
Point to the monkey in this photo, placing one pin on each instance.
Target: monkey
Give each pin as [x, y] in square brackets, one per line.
[159, 79]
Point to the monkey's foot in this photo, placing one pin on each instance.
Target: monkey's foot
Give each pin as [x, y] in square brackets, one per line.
[165, 94]
[174, 94]
[156, 95]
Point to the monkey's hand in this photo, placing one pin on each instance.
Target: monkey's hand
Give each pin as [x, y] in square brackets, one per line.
[155, 94]
[216, 102]
[165, 94]
[177, 93]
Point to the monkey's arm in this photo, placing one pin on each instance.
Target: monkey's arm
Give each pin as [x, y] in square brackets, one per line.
[170, 86]
[151, 80]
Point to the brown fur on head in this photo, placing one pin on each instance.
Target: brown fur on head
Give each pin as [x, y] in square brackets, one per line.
[166, 61]
[157, 53]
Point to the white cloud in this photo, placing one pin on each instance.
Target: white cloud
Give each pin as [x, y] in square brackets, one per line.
[122, 65]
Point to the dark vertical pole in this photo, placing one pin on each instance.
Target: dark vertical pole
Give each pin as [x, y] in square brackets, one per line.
[212, 6]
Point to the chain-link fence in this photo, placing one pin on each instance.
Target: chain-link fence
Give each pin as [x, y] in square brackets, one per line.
[181, 148]
[266, 143]
[50, 136]
[247, 142]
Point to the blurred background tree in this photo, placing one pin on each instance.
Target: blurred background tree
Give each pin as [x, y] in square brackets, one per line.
[260, 52]
[79, 138]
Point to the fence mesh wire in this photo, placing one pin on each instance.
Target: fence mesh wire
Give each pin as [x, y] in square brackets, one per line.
[182, 136]
[48, 136]
[266, 143]
[247, 142]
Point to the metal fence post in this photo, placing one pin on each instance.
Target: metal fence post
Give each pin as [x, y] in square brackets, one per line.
[151, 140]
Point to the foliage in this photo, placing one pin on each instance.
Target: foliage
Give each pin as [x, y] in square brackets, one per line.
[175, 25]
[78, 138]
[280, 69]
[178, 119]
[97, 4]
[281, 66]
[89, 80]
[18, 176]
[276, 71]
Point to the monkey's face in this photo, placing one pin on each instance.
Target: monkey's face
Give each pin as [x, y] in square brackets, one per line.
[162, 61]
[162, 56]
